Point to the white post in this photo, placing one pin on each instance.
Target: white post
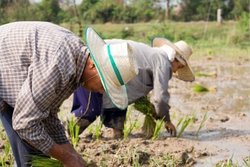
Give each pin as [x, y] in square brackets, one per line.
[219, 16]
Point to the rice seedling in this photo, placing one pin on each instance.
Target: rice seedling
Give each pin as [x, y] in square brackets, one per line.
[157, 130]
[204, 119]
[145, 107]
[96, 129]
[226, 163]
[42, 161]
[129, 125]
[198, 88]
[183, 123]
[73, 130]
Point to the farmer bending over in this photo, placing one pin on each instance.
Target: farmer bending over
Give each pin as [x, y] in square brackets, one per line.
[41, 64]
[156, 66]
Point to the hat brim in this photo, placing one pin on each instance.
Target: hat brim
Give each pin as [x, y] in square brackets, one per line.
[185, 73]
[98, 53]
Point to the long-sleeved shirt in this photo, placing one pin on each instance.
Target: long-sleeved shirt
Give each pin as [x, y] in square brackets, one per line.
[41, 64]
[155, 71]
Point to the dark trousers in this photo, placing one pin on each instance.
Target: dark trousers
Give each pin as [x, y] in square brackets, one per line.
[22, 151]
[114, 118]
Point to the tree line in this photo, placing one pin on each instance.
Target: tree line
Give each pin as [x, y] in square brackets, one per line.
[120, 11]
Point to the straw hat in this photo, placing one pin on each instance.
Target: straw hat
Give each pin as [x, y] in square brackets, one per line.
[183, 53]
[115, 65]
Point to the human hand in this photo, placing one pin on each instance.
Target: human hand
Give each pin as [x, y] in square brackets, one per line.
[75, 161]
[170, 128]
[83, 124]
[67, 155]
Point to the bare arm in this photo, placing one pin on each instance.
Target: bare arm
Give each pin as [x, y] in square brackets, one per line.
[67, 155]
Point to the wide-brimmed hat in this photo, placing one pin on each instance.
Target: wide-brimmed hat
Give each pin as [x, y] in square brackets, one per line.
[183, 52]
[115, 65]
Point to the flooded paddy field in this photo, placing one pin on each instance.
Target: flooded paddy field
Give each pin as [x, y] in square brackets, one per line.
[219, 133]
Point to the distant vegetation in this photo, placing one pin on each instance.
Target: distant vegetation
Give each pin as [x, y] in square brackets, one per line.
[120, 11]
[193, 21]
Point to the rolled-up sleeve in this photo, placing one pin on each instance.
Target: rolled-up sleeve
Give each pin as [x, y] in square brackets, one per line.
[160, 97]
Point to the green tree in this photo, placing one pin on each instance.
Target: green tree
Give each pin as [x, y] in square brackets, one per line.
[145, 10]
[105, 10]
[49, 10]
[240, 6]
[86, 9]
[14, 10]
[205, 9]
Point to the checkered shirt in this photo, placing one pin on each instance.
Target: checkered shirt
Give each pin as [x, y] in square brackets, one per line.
[41, 64]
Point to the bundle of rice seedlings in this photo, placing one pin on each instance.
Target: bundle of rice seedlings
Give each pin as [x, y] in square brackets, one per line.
[144, 106]
[42, 161]
[148, 127]
[200, 88]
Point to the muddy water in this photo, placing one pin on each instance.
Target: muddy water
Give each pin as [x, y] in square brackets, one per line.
[226, 133]
[227, 130]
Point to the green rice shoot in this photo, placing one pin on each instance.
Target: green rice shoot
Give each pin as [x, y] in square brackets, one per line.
[129, 125]
[182, 124]
[198, 88]
[157, 130]
[202, 123]
[73, 130]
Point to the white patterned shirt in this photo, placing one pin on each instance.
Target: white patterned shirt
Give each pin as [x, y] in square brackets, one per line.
[41, 64]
